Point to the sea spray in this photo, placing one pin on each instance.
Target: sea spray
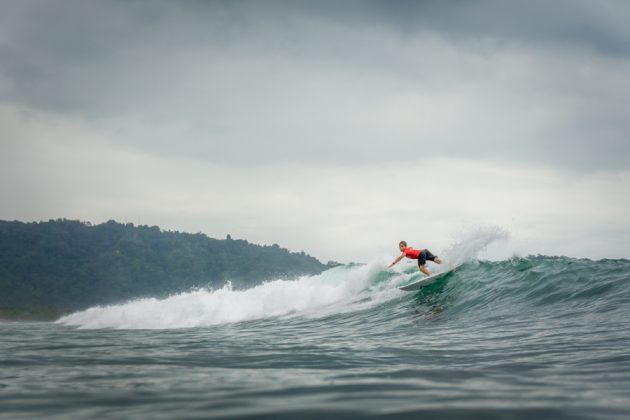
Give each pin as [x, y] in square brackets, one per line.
[471, 242]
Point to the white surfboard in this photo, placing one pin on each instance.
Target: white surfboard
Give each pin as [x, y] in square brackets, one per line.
[425, 281]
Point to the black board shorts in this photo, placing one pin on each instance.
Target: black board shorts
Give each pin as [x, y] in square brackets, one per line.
[424, 256]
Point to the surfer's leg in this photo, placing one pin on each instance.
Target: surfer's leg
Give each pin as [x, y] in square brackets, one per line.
[432, 257]
[422, 259]
[424, 270]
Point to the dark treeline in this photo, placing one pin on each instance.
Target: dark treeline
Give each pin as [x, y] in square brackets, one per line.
[54, 267]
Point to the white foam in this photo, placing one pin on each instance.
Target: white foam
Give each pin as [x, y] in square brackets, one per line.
[337, 290]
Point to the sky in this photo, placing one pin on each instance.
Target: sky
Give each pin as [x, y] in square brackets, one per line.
[336, 128]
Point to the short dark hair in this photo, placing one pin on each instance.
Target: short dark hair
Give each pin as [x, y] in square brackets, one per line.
[402, 243]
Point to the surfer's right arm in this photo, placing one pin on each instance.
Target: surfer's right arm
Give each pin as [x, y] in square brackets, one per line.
[396, 260]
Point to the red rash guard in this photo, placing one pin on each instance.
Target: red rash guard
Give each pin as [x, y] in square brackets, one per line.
[412, 253]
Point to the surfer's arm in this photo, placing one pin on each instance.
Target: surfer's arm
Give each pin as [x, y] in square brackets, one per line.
[396, 260]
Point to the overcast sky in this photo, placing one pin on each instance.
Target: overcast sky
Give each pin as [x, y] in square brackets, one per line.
[337, 128]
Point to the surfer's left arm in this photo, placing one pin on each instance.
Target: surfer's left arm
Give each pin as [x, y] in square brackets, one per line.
[396, 260]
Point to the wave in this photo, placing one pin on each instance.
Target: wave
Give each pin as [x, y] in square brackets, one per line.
[477, 290]
[549, 287]
[341, 289]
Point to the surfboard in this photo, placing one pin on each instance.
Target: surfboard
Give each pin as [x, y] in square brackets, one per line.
[425, 281]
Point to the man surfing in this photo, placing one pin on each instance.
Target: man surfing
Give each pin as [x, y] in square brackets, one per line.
[422, 255]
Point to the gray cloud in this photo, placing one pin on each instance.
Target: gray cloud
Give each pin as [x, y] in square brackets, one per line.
[341, 82]
[598, 25]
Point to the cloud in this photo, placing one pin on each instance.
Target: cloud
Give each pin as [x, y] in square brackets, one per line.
[245, 83]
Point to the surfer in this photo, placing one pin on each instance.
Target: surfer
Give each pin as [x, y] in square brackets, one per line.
[422, 255]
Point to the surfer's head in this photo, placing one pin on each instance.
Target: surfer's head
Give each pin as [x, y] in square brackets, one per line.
[402, 245]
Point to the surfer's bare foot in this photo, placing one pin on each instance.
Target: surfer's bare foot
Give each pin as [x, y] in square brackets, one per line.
[438, 260]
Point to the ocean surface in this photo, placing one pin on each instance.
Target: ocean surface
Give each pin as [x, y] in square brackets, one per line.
[528, 337]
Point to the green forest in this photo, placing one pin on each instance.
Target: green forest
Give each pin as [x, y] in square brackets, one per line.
[55, 267]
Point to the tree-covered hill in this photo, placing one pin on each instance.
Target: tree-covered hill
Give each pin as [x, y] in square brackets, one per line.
[63, 265]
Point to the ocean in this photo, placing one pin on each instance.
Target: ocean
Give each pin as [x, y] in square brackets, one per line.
[527, 337]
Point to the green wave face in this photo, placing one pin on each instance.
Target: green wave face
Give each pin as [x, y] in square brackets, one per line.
[549, 286]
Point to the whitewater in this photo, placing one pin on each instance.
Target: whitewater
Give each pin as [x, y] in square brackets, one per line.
[535, 336]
